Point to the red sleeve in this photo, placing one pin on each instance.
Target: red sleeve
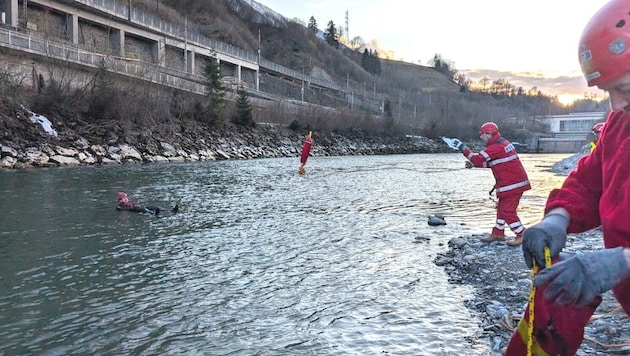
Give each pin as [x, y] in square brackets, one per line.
[580, 194]
[476, 158]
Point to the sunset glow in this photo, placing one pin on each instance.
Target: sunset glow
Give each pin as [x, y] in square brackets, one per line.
[542, 35]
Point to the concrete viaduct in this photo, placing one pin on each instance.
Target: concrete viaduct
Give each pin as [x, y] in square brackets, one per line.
[128, 41]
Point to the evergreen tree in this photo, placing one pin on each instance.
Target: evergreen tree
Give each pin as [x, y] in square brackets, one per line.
[243, 115]
[370, 62]
[331, 36]
[312, 25]
[376, 64]
[216, 93]
[444, 66]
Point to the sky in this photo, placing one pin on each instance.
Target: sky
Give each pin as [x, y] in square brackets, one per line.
[529, 43]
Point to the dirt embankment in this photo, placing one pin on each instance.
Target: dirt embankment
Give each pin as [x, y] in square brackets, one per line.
[30, 140]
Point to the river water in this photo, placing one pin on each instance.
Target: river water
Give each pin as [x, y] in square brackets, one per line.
[258, 261]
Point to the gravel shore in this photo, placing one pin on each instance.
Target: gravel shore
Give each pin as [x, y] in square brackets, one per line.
[501, 283]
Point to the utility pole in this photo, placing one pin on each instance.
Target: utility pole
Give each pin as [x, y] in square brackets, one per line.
[258, 69]
[347, 30]
[186, 43]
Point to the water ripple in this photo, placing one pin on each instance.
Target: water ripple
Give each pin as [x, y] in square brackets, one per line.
[259, 260]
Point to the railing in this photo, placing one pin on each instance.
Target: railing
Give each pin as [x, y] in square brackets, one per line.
[138, 69]
[121, 11]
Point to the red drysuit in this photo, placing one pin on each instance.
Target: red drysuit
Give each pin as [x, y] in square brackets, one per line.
[511, 180]
[596, 193]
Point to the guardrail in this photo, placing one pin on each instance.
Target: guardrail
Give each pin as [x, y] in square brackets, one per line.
[121, 11]
[138, 69]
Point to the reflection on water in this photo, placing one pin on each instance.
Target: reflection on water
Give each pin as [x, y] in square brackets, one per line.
[258, 261]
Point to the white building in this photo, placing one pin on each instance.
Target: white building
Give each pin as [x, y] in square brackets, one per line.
[568, 133]
[579, 123]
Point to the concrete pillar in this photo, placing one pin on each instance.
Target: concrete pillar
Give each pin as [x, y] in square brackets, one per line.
[238, 72]
[159, 53]
[118, 42]
[10, 10]
[73, 28]
[191, 62]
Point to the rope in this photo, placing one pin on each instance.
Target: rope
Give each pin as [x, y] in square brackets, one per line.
[387, 168]
[532, 294]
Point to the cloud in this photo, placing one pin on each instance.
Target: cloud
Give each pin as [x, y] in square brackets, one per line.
[376, 45]
[561, 85]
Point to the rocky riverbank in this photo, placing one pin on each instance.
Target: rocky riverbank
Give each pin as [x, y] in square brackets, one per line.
[501, 283]
[30, 140]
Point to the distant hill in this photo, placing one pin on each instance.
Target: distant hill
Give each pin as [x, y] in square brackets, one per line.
[419, 100]
[243, 23]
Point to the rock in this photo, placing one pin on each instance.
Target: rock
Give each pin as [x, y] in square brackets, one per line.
[8, 151]
[8, 162]
[501, 284]
[98, 150]
[436, 220]
[127, 151]
[64, 160]
[68, 152]
[222, 155]
[421, 239]
[110, 142]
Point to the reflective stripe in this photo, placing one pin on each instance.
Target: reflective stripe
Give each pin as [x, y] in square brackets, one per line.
[517, 227]
[519, 230]
[523, 329]
[513, 186]
[502, 160]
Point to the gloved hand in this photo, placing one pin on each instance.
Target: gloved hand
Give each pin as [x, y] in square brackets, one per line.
[581, 278]
[551, 232]
[469, 164]
[458, 145]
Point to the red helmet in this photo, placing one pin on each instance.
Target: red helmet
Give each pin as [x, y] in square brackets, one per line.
[122, 196]
[604, 51]
[598, 127]
[489, 128]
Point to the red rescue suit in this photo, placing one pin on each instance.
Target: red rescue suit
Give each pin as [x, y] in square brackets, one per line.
[595, 193]
[511, 180]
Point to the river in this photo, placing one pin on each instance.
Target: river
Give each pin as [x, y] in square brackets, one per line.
[258, 261]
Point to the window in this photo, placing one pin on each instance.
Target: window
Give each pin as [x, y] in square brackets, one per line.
[577, 125]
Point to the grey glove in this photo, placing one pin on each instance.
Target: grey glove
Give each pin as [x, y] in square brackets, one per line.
[459, 145]
[581, 278]
[551, 232]
[469, 164]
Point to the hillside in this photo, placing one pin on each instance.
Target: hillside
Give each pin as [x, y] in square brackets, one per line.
[242, 23]
[379, 96]
[416, 99]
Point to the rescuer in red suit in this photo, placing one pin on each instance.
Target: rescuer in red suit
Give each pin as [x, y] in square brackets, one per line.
[511, 180]
[596, 193]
